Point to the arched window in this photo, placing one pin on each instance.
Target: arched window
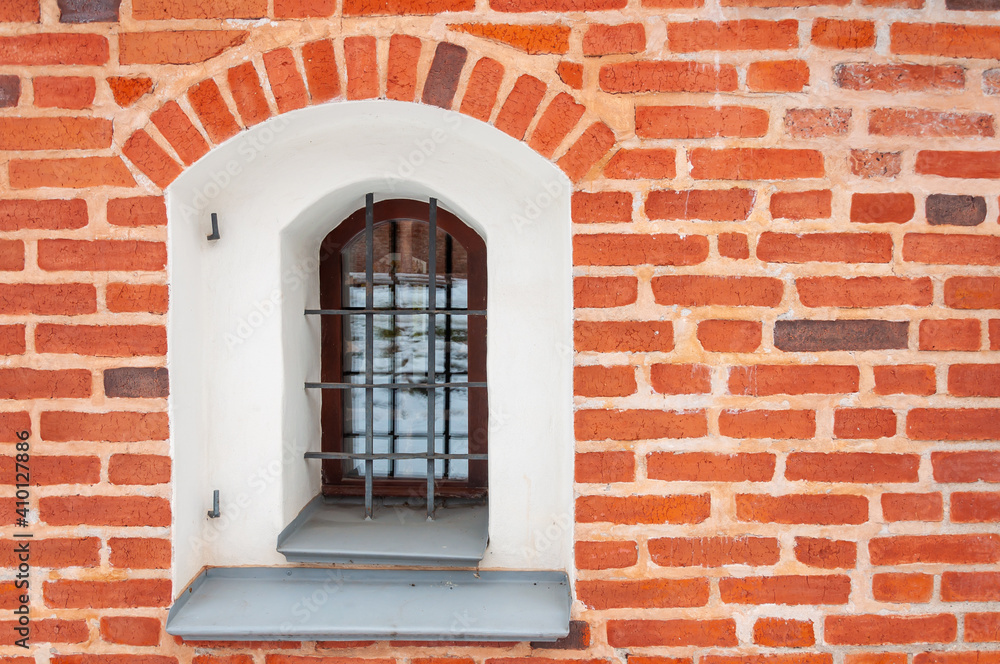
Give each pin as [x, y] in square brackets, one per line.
[404, 409]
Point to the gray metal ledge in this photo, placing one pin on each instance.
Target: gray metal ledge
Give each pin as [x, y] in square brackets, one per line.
[336, 531]
[308, 603]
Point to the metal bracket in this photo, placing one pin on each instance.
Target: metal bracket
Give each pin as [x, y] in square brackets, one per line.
[214, 513]
[215, 227]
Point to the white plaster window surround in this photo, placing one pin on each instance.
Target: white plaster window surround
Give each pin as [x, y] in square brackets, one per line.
[241, 348]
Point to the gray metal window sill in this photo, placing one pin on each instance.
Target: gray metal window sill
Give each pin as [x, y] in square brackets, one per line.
[308, 603]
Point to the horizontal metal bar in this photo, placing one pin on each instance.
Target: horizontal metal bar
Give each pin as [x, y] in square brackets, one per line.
[393, 455]
[388, 386]
[395, 312]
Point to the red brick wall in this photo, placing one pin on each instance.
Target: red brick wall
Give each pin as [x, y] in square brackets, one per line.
[785, 239]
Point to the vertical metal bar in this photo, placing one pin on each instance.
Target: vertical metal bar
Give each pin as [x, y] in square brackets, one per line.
[369, 349]
[431, 359]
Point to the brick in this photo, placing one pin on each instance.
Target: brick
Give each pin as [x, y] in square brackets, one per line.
[139, 211]
[708, 467]
[604, 467]
[966, 466]
[136, 382]
[953, 334]
[606, 555]
[11, 255]
[700, 121]
[176, 47]
[778, 76]
[132, 593]
[816, 204]
[702, 204]
[970, 586]
[481, 91]
[752, 35]
[445, 71]
[11, 423]
[556, 122]
[208, 104]
[991, 81]
[645, 633]
[104, 511]
[554, 5]
[699, 291]
[139, 553]
[781, 633]
[824, 510]
[48, 299]
[570, 73]
[882, 208]
[826, 553]
[149, 298]
[714, 551]
[643, 509]
[994, 333]
[945, 39]
[181, 133]
[920, 122]
[401, 78]
[912, 507]
[755, 164]
[875, 164]
[852, 467]
[680, 378]
[643, 593]
[604, 292]
[322, 74]
[589, 148]
[115, 427]
[787, 424]
[304, 9]
[88, 11]
[865, 630]
[959, 164]
[598, 381]
[733, 245]
[789, 590]
[929, 549]
[899, 77]
[902, 588]
[532, 39]
[864, 423]
[54, 49]
[579, 638]
[12, 340]
[972, 293]
[817, 122]
[131, 631]
[10, 90]
[71, 173]
[639, 249]
[729, 336]
[639, 424]
[953, 424]
[20, 11]
[151, 159]
[978, 507]
[949, 210]
[57, 552]
[55, 470]
[138, 469]
[830, 335]
[629, 337]
[101, 340]
[642, 164]
[72, 92]
[915, 379]
[85, 255]
[158, 10]
[17, 383]
[45, 631]
[864, 292]
[939, 249]
[126, 91]
[614, 39]
[404, 7]
[765, 380]
[982, 627]
[286, 83]
[666, 76]
[831, 33]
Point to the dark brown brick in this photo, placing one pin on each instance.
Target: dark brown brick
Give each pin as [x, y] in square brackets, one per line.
[141, 382]
[577, 639]
[820, 335]
[945, 209]
[88, 11]
[442, 79]
[973, 5]
[10, 90]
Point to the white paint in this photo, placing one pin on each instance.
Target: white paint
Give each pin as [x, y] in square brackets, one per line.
[241, 347]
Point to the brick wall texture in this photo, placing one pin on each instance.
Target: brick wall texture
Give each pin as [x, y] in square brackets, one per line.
[787, 323]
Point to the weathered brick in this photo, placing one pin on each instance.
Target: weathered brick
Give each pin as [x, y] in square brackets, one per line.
[733, 245]
[698, 291]
[208, 104]
[921, 122]
[613, 336]
[442, 79]
[945, 39]
[764, 379]
[949, 210]
[138, 469]
[322, 74]
[902, 588]
[777, 76]
[755, 164]
[642, 164]
[88, 11]
[681, 632]
[638, 424]
[104, 511]
[828, 335]
[532, 39]
[644, 593]
[905, 379]
[951, 334]
[850, 34]
[700, 121]
[966, 466]
[115, 427]
[570, 73]
[10, 90]
[708, 467]
[825, 247]
[17, 383]
[639, 249]
[180, 132]
[48, 299]
[978, 507]
[11, 255]
[899, 77]
[519, 108]
[864, 292]
[702, 204]
[912, 507]
[286, 83]
[150, 298]
[876, 164]
[729, 336]
[151, 159]
[604, 467]
[606, 555]
[972, 292]
[882, 208]
[556, 122]
[54, 470]
[176, 47]
[84, 255]
[401, 77]
[680, 378]
[789, 590]
[101, 340]
[139, 211]
[782, 633]
[56, 552]
[749, 34]
[826, 510]
[126, 91]
[131, 631]
[20, 11]
[603, 292]
[481, 91]
[139, 553]
[982, 627]
[667, 76]
[303, 9]
[925, 549]
[598, 381]
[12, 340]
[589, 148]
[826, 553]
[70, 173]
[868, 630]
[953, 424]
[131, 593]
[864, 423]
[54, 49]
[959, 164]
[714, 551]
[787, 424]
[158, 10]
[970, 586]
[643, 509]
[815, 204]
[404, 7]
[852, 467]
[73, 92]
[613, 39]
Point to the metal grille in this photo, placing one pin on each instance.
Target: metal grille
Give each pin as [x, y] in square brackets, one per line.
[369, 456]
